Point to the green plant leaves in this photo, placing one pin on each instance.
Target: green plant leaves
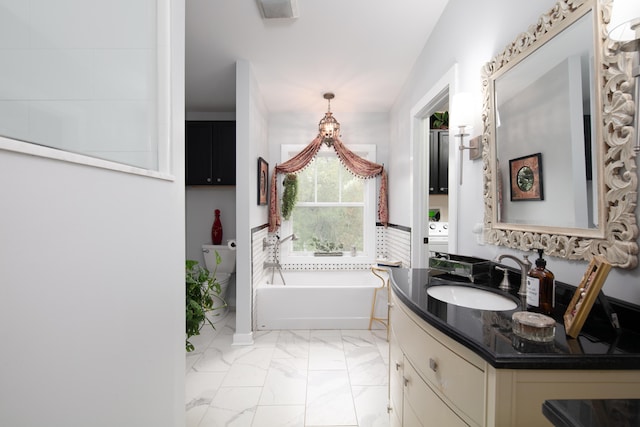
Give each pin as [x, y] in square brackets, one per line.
[440, 119]
[199, 287]
[289, 195]
[323, 245]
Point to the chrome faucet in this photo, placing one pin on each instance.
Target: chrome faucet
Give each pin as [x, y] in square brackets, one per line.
[525, 266]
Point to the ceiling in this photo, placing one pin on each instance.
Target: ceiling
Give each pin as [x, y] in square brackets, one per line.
[362, 50]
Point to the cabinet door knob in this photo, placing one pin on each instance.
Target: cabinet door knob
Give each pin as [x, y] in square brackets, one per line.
[218, 179]
[433, 365]
[406, 381]
[208, 179]
[390, 304]
[398, 365]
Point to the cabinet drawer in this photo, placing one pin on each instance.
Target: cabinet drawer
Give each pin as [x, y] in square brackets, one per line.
[421, 403]
[460, 382]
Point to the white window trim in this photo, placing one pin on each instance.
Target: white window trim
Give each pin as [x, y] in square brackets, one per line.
[368, 151]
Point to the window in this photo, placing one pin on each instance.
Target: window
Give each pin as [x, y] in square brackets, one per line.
[335, 210]
[76, 76]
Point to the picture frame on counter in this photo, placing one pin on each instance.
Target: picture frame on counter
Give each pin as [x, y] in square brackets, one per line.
[585, 296]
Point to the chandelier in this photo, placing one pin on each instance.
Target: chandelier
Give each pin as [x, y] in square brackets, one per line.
[329, 126]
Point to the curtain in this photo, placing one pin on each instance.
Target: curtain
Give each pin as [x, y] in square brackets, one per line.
[362, 168]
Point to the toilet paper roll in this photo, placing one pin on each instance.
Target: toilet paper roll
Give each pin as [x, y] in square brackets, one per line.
[231, 244]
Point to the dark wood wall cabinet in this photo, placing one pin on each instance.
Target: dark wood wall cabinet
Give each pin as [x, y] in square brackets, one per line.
[439, 162]
[210, 152]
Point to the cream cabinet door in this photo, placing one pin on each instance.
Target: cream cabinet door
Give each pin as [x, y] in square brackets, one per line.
[422, 407]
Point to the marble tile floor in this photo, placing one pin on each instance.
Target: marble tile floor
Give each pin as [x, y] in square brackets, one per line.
[297, 378]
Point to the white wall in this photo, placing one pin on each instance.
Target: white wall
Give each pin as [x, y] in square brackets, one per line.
[470, 34]
[251, 143]
[201, 203]
[92, 286]
[302, 128]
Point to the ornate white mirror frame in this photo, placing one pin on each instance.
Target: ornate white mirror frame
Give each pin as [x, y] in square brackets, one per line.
[616, 236]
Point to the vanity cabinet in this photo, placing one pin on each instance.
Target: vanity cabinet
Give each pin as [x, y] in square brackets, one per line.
[439, 162]
[431, 384]
[435, 380]
[412, 402]
[210, 153]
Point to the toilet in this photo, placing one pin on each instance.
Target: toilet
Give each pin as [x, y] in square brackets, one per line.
[223, 273]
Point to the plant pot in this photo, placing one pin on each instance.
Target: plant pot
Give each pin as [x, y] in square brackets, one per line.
[328, 253]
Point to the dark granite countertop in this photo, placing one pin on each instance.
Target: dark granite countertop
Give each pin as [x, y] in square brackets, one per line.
[488, 333]
[593, 413]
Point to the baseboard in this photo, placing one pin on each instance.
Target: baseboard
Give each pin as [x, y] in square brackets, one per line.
[243, 339]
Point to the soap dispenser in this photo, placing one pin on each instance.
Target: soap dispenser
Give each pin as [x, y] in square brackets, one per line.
[541, 288]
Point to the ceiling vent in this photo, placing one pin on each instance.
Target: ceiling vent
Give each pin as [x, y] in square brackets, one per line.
[278, 9]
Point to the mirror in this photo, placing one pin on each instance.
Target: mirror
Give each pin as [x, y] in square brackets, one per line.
[559, 170]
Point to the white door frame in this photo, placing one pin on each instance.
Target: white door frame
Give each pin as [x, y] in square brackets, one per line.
[440, 93]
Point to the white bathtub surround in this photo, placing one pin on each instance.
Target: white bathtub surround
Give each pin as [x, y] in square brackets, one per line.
[396, 244]
[319, 300]
[317, 377]
[259, 254]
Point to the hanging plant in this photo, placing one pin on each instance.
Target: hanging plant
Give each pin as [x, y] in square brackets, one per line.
[289, 195]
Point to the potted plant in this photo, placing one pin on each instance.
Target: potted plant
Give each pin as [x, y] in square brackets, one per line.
[440, 120]
[200, 287]
[326, 247]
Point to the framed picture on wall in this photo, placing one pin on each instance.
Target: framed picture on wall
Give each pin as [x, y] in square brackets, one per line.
[525, 175]
[263, 181]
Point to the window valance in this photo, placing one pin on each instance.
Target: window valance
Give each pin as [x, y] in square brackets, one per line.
[362, 168]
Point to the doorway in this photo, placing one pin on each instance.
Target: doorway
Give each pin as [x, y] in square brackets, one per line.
[436, 99]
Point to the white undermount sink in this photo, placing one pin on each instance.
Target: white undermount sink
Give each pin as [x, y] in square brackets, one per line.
[469, 297]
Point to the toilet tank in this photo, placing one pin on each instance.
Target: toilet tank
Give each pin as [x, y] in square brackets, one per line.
[227, 258]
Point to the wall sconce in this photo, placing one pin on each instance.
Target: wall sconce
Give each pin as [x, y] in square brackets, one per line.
[462, 115]
[624, 27]
[329, 127]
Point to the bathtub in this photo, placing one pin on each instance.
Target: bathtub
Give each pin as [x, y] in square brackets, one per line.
[319, 300]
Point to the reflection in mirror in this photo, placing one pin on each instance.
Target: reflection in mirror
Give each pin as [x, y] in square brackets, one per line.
[556, 80]
[559, 96]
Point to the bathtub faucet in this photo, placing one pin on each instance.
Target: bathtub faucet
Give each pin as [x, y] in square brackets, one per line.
[293, 237]
[274, 266]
